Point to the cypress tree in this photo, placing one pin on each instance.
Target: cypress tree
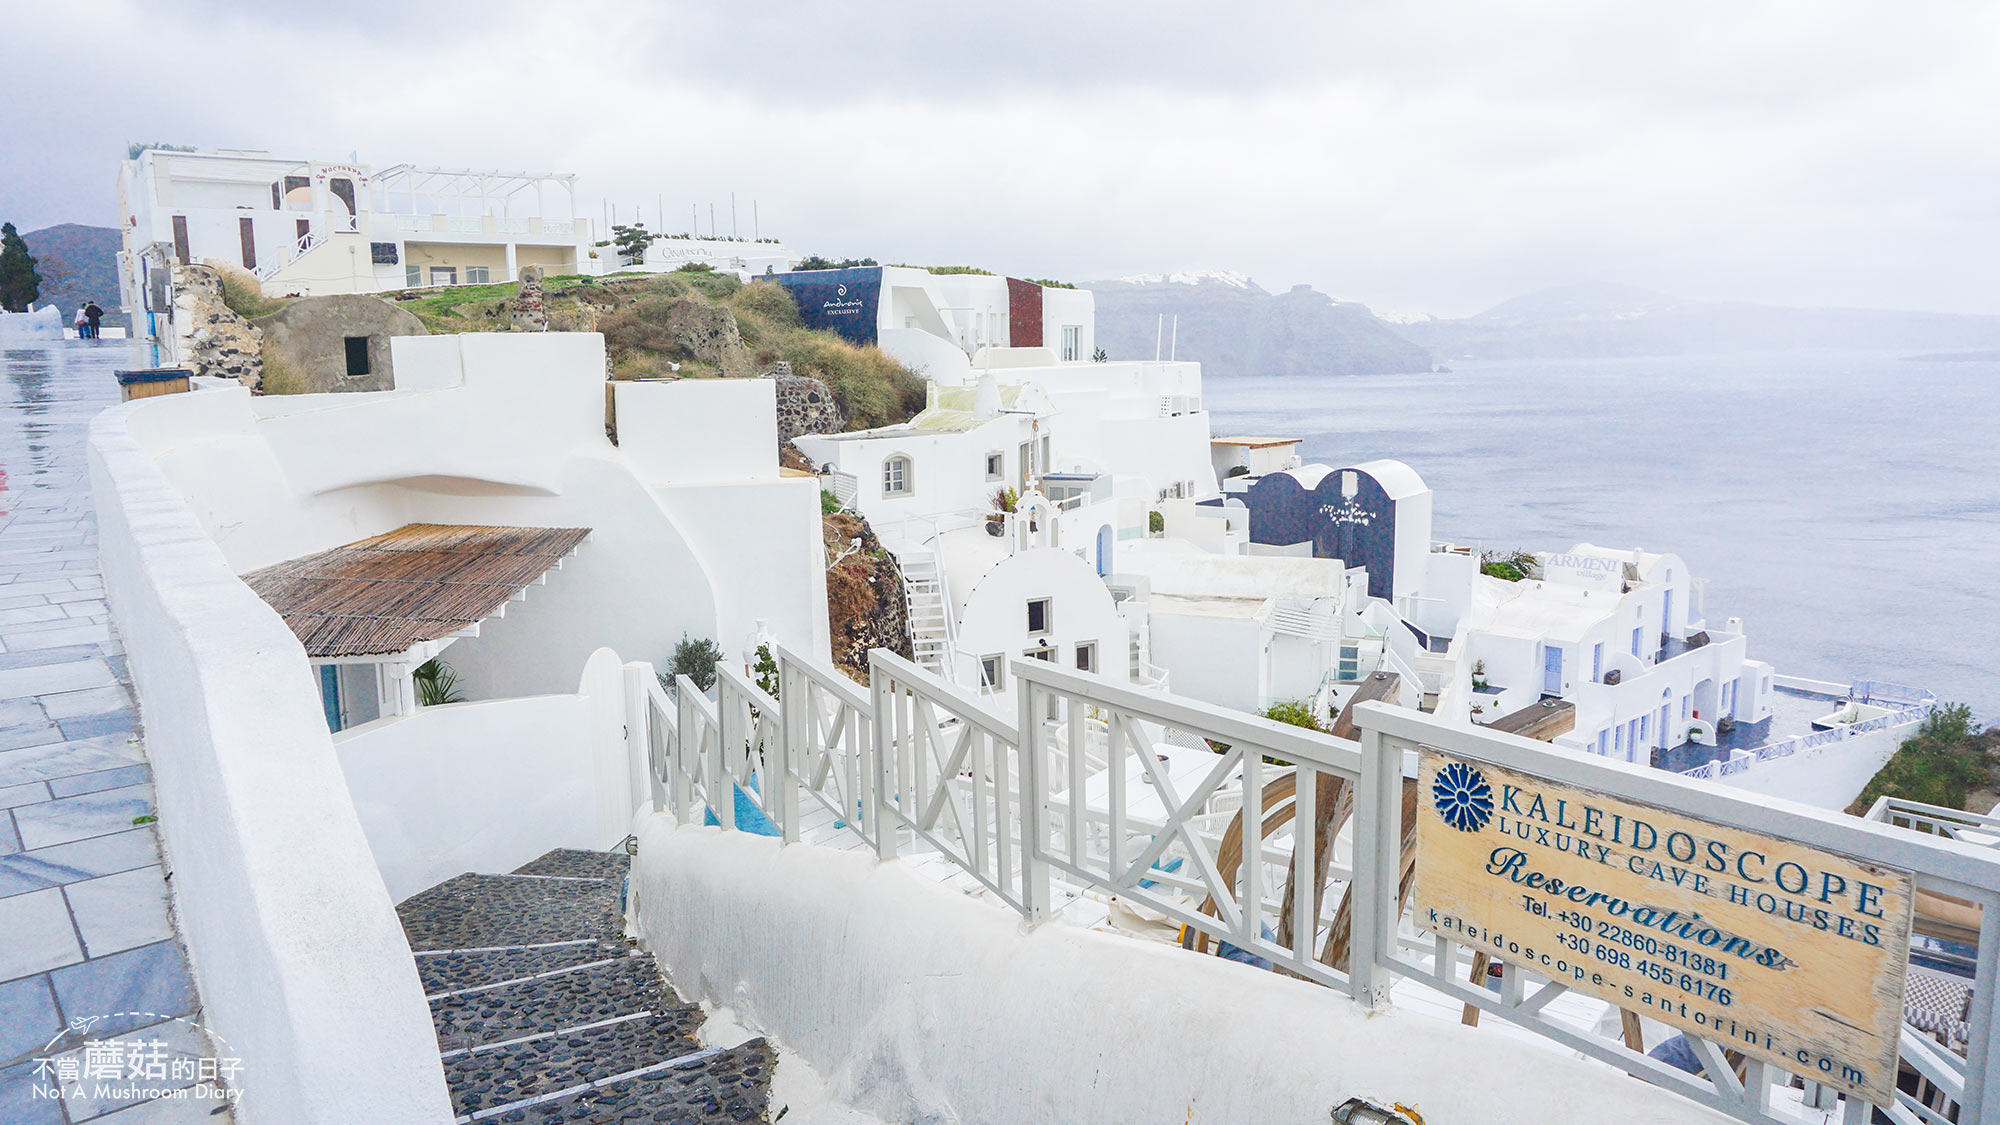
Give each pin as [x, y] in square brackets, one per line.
[19, 283]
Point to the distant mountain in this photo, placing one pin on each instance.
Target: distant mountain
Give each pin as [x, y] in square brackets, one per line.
[77, 264]
[1591, 321]
[1233, 327]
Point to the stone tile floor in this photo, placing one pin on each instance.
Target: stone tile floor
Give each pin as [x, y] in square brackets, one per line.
[86, 930]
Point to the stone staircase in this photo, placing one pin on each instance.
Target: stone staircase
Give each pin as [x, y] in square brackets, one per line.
[545, 1012]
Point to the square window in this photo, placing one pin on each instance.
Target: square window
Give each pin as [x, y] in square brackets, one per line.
[357, 355]
[478, 275]
[444, 275]
[1040, 619]
[1086, 657]
[1045, 655]
[993, 671]
[996, 466]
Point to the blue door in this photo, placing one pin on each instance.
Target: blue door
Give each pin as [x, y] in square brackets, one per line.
[1667, 615]
[1104, 541]
[1552, 670]
[329, 694]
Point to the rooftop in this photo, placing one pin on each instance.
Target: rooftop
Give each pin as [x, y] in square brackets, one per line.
[1254, 442]
[421, 582]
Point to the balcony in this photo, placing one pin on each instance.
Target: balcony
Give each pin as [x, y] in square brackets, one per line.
[564, 229]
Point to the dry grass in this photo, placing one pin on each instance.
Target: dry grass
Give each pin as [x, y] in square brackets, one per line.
[281, 378]
[244, 294]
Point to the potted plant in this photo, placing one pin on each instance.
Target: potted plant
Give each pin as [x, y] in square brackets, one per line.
[1003, 500]
[1479, 675]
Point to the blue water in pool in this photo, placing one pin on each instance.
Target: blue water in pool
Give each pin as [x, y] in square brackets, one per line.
[1845, 505]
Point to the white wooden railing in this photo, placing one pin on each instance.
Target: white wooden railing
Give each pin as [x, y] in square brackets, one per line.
[1080, 800]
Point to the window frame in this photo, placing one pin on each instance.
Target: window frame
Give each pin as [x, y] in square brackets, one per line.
[485, 275]
[998, 679]
[904, 470]
[367, 365]
[1086, 657]
[1048, 617]
[996, 465]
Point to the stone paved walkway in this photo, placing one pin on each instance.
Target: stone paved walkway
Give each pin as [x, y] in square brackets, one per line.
[86, 936]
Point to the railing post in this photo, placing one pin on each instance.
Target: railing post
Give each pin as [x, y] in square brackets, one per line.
[639, 740]
[1033, 751]
[795, 721]
[881, 731]
[1378, 850]
[721, 783]
[687, 748]
[1982, 1048]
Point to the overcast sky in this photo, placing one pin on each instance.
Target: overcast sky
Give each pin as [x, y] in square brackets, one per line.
[1422, 157]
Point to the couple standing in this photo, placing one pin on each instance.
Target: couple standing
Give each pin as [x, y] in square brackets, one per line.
[87, 317]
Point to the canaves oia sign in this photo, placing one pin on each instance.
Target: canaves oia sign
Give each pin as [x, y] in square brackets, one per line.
[1784, 952]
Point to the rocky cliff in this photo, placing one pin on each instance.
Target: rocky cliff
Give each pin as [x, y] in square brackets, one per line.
[1233, 327]
[1593, 321]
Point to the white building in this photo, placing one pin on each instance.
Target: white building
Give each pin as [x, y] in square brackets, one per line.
[691, 526]
[313, 227]
[1241, 631]
[1617, 634]
[744, 257]
[907, 311]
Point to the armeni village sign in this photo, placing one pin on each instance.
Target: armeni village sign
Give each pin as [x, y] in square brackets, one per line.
[1787, 953]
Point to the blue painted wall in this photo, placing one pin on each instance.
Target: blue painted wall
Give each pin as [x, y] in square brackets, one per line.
[843, 301]
[1359, 530]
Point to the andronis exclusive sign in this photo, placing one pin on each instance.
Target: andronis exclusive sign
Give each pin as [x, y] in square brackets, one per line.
[1784, 952]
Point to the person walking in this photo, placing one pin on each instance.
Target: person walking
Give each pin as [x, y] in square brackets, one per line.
[95, 315]
[82, 322]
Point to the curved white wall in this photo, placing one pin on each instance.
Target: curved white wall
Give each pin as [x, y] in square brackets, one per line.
[476, 786]
[921, 1004]
[295, 946]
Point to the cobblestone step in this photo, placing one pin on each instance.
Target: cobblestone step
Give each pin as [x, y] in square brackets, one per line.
[585, 994]
[512, 1072]
[544, 1012]
[731, 1085]
[563, 861]
[470, 968]
[481, 911]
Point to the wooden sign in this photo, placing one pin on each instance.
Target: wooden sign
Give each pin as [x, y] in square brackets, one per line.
[1787, 953]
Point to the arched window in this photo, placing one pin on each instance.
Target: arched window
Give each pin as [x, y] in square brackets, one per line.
[899, 476]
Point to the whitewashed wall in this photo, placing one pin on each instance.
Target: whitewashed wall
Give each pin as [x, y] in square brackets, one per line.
[295, 946]
[921, 1004]
[481, 786]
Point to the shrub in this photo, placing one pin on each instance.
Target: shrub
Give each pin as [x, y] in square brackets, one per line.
[1509, 566]
[828, 503]
[1943, 763]
[695, 658]
[815, 262]
[769, 304]
[1296, 712]
[765, 671]
[873, 389]
[1156, 523]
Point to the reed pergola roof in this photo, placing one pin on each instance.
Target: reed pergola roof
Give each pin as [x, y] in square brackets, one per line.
[422, 582]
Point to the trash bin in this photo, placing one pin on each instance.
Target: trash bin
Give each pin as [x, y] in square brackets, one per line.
[149, 381]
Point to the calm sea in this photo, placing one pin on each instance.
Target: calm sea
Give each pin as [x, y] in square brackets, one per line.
[1845, 505]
